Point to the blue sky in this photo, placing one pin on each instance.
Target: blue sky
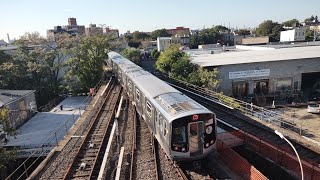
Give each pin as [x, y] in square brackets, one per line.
[19, 16]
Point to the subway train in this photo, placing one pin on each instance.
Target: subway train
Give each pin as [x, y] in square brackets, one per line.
[185, 129]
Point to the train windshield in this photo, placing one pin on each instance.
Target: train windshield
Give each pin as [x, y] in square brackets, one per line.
[179, 136]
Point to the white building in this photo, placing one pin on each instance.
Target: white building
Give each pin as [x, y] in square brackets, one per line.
[164, 42]
[297, 34]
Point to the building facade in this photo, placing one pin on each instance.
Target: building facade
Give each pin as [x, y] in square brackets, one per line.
[274, 74]
[21, 105]
[72, 29]
[93, 30]
[179, 31]
[114, 33]
[297, 34]
[164, 42]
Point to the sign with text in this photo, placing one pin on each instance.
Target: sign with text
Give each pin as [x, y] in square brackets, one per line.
[25, 153]
[249, 73]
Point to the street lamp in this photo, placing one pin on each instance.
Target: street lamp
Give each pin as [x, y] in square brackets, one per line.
[282, 137]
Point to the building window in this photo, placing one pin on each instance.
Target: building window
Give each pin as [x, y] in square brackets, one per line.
[296, 33]
[261, 86]
[302, 33]
[284, 84]
[149, 109]
[138, 95]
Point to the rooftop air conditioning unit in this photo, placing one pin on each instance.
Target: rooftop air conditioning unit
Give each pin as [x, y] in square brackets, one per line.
[211, 52]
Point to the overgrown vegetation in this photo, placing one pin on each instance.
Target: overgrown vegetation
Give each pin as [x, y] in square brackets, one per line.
[5, 156]
[177, 64]
[132, 54]
[51, 67]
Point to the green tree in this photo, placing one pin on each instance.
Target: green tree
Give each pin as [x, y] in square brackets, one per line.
[4, 121]
[209, 79]
[309, 35]
[86, 63]
[155, 54]
[310, 19]
[243, 32]
[6, 157]
[132, 54]
[134, 43]
[168, 57]
[182, 68]
[178, 65]
[140, 35]
[269, 28]
[291, 23]
[265, 28]
[206, 36]
[219, 28]
[276, 30]
[159, 33]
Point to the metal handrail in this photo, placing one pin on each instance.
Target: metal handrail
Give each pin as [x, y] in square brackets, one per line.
[244, 107]
[43, 144]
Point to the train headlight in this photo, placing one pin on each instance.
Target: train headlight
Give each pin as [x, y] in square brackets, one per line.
[207, 145]
[176, 148]
[183, 149]
[211, 142]
[209, 129]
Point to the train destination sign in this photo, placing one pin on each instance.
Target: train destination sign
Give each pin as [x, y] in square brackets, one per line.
[249, 73]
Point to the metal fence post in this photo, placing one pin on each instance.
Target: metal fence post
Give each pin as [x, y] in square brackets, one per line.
[55, 134]
[65, 125]
[25, 169]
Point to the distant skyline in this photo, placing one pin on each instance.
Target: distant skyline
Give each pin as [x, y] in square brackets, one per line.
[18, 17]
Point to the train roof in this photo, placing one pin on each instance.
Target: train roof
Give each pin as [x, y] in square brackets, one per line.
[173, 103]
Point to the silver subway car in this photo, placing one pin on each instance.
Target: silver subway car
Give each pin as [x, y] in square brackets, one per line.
[185, 129]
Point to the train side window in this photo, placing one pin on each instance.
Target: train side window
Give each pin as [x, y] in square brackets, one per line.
[130, 85]
[164, 128]
[138, 95]
[149, 109]
[157, 116]
[161, 123]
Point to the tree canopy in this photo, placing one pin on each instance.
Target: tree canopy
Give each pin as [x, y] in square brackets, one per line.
[37, 69]
[155, 54]
[269, 28]
[132, 54]
[159, 33]
[86, 63]
[207, 36]
[178, 65]
[291, 23]
[243, 32]
[5, 156]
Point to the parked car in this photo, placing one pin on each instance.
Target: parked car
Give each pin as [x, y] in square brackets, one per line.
[314, 108]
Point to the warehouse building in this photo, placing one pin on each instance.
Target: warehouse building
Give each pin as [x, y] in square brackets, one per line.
[279, 74]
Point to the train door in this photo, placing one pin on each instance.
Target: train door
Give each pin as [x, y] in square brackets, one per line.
[195, 133]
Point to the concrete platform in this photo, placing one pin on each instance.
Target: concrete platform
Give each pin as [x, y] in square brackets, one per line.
[39, 128]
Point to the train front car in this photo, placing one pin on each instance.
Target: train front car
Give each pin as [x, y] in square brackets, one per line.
[193, 127]
[193, 136]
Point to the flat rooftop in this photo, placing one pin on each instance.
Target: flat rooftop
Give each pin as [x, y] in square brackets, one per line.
[243, 57]
[7, 96]
[39, 128]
